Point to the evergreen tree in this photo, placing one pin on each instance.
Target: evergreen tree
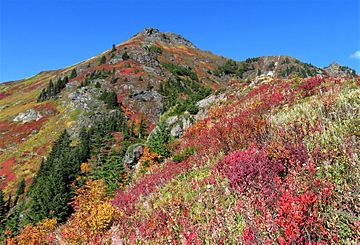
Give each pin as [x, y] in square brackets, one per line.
[20, 190]
[159, 139]
[51, 192]
[113, 172]
[113, 48]
[2, 206]
[125, 56]
[102, 60]
[132, 128]
[57, 86]
[125, 130]
[73, 73]
[110, 99]
[84, 147]
[13, 221]
[142, 127]
[51, 89]
[42, 96]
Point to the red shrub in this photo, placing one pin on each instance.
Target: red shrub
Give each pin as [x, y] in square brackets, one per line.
[310, 84]
[249, 169]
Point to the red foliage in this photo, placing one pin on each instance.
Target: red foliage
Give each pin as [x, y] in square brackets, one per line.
[126, 200]
[3, 95]
[309, 85]
[249, 169]
[277, 207]
[6, 172]
[15, 132]
[127, 71]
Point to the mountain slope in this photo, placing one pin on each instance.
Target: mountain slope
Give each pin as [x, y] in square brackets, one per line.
[170, 126]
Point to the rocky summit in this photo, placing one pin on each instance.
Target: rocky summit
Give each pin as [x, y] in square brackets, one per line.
[155, 141]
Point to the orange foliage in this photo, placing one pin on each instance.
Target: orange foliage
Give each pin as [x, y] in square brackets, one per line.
[84, 167]
[37, 234]
[148, 158]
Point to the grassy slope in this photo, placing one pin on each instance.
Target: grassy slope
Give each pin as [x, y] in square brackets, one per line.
[21, 143]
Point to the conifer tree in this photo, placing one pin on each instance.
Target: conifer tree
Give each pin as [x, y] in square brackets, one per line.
[51, 192]
[113, 48]
[125, 56]
[2, 206]
[159, 139]
[73, 73]
[142, 127]
[51, 89]
[20, 190]
[102, 60]
[113, 172]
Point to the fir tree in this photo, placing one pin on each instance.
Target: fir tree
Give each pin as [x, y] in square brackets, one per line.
[159, 139]
[51, 89]
[113, 48]
[2, 206]
[125, 56]
[102, 60]
[73, 73]
[20, 190]
[142, 127]
[113, 172]
[51, 192]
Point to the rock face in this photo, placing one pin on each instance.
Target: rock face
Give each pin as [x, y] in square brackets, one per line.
[27, 116]
[133, 154]
[153, 34]
[279, 67]
[84, 98]
[336, 70]
[178, 124]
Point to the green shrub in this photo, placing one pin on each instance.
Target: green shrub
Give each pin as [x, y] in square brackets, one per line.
[155, 49]
[181, 156]
[180, 70]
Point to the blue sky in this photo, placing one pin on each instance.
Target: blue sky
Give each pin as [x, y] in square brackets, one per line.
[37, 35]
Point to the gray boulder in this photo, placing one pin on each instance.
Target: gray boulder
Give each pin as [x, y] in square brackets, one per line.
[133, 154]
[27, 116]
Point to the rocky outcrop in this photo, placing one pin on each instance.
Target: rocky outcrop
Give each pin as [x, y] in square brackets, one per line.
[84, 98]
[27, 116]
[152, 34]
[179, 123]
[133, 154]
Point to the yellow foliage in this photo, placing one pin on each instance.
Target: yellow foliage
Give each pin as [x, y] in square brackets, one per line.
[93, 215]
[84, 167]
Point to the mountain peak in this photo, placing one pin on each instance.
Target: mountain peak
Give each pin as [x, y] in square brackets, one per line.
[150, 31]
[337, 70]
[152, 35]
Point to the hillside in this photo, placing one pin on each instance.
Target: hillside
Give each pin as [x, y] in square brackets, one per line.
[155, 141]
